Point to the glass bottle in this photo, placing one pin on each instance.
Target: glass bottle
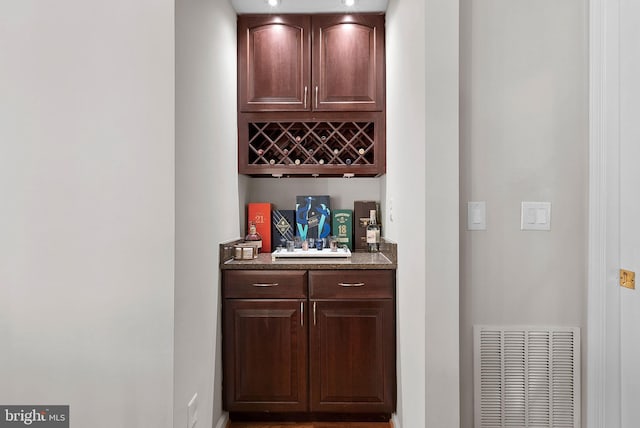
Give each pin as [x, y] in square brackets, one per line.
[253, 236]
[373, 233]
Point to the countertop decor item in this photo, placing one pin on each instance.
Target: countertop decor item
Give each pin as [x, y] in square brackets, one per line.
[312, 253]
[386, 259]
[313, 216]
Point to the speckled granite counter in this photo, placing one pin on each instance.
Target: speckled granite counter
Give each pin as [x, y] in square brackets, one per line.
[385, 259]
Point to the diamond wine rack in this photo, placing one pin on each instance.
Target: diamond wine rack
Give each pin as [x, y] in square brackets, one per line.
[304, 143]
[329, 148]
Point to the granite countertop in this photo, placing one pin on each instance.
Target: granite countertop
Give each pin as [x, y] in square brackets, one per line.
[385, 259]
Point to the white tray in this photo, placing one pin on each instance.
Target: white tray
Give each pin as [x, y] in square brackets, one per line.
[312, 253]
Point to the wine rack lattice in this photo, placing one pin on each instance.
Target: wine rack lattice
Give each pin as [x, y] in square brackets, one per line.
[311, 143]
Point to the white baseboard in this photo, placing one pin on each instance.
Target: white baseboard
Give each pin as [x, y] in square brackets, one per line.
[222, 422]
[395, 421]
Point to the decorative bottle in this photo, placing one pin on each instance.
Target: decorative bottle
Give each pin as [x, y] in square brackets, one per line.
[373, 233]
[253, 236]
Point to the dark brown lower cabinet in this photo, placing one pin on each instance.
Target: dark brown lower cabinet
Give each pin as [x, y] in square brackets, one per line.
[316, 342]
[265, 341]
[351, 356]
[266, 355]
[352, 341]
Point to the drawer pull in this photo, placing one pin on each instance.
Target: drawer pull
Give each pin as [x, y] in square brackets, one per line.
[351, 284]
[258, 284]
[301, 314]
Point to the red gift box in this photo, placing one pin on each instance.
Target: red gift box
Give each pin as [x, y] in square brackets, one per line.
[260, 214]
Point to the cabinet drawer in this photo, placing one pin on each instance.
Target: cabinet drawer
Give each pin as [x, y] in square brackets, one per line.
[256, 284]
[352, 284]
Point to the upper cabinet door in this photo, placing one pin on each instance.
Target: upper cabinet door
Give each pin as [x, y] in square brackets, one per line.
[274, 63]
[348, 62]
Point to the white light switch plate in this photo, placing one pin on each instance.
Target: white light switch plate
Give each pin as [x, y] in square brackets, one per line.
[477, 215]
[535, 216]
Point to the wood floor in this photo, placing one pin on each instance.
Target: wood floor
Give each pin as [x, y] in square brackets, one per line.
[310, 425]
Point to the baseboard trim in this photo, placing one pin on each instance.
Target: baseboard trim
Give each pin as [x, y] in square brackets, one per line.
[395, 422]
[223, 421]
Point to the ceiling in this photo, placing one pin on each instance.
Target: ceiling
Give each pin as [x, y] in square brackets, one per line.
[308, 6]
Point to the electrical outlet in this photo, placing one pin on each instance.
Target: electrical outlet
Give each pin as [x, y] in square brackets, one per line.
[192, 411]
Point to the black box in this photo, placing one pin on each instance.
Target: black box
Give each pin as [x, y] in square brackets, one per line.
[283, 226]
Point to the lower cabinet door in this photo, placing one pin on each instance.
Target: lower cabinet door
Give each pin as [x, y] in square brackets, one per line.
[265, 355]
[352, 356]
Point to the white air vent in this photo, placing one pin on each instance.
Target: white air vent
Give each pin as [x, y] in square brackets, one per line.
[526, 377]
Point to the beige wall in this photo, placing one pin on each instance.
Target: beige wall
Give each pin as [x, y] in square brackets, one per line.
[206, 197]
[441, 220]
[405, 192]
[87, 211]
[524, 137]
[421, 205]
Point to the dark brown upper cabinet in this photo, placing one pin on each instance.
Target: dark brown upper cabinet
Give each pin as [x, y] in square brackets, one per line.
[310, 63]
[348, 62]
[311, 95]
[274, 63]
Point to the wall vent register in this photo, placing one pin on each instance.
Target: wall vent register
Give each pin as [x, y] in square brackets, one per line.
[526, 377]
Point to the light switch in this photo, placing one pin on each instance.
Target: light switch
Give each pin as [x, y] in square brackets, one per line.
[535, 216]
[476, 216]
[529, 215]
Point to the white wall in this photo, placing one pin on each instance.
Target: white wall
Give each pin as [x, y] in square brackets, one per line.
[421, 200]
[524, 137]
[442, 225]
[629, 207]
[87, 218]
[206, 197]
[404, 185]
